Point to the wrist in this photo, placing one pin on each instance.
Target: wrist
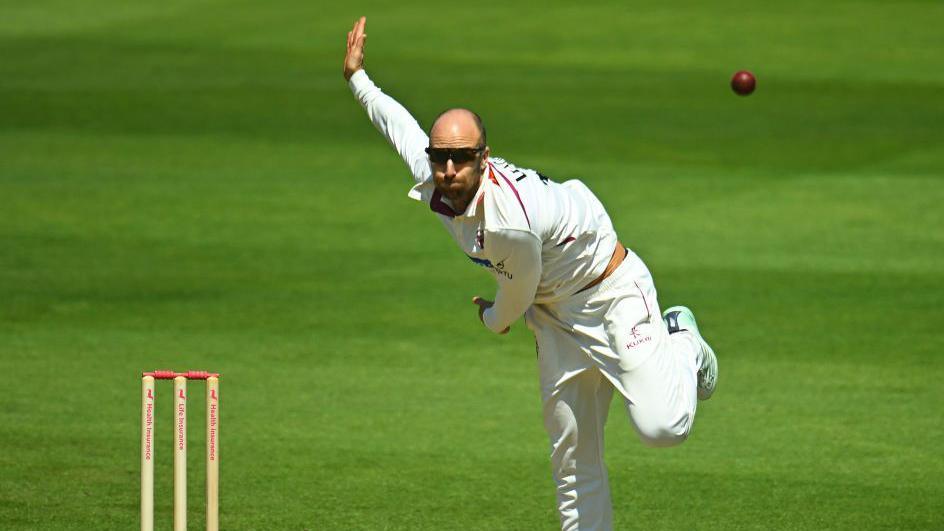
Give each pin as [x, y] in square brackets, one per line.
[348, 74]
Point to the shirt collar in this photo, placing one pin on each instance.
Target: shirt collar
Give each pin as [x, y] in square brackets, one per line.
[442, 205]
[479, 194]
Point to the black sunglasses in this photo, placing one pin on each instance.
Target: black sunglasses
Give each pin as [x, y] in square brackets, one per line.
[457, 155]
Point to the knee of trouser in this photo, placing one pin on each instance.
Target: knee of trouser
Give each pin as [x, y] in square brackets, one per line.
[663, 434]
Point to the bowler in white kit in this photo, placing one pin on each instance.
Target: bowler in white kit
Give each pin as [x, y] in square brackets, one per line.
[589, 300]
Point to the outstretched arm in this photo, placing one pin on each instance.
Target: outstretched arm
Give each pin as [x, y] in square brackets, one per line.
[388, 116]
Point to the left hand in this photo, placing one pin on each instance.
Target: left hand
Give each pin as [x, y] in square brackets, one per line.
[354, 60]
[483, 304]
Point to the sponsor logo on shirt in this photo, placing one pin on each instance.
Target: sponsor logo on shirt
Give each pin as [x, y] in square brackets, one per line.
[498, 268]
[637, 339]
[481, 261]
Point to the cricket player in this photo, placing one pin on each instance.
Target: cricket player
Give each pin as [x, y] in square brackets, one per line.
[589, 300]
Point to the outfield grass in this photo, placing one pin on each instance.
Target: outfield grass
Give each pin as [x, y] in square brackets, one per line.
[191, 185]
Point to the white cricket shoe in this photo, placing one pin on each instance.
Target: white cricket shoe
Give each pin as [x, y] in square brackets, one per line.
[680, 318]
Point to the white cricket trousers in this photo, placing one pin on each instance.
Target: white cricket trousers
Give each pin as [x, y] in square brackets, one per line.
[610, 336]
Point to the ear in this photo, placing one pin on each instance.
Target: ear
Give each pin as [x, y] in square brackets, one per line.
[485, 154]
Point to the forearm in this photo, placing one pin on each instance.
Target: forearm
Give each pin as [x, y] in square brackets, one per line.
[508, 307]
[519, 266]
[395, 122]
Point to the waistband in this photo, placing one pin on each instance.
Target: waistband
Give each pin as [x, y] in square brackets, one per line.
[617, 277]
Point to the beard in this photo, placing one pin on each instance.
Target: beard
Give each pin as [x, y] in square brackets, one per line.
[459, 190]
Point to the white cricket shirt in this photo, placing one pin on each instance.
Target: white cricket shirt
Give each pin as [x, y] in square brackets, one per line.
[542, 241]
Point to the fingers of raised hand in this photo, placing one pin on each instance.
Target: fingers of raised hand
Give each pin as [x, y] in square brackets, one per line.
[359, 35]
[357, 30]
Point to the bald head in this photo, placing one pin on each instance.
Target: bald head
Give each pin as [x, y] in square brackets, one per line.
[457, 128]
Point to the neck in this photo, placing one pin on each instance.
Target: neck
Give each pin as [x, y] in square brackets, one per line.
[460, 205]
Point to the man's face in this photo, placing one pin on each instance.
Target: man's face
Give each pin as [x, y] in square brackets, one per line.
[457, 156]
[457, 170]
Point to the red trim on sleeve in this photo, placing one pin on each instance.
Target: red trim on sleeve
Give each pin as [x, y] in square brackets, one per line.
[513, 189]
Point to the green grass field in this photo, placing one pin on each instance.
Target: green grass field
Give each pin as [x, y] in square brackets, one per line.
[190, 184]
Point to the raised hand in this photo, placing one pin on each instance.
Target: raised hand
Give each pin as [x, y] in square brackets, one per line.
[354, 60]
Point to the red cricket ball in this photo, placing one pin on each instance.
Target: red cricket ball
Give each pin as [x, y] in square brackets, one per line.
[743, 82]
